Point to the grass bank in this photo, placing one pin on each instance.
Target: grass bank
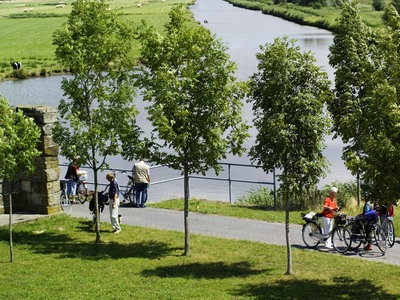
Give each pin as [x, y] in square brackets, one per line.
[324, 17]
[57, 257]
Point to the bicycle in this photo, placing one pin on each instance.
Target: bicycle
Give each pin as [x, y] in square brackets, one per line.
[312, 231]
[65, 202]
[388, 226]
[129, 193]
[357, 228]
[82, 192]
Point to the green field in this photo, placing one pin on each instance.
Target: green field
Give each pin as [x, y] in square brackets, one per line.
[26, 30]
[26, 27]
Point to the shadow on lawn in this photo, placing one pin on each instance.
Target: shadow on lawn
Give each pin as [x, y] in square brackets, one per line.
[342, 288]
[50, 242]
[216, 270]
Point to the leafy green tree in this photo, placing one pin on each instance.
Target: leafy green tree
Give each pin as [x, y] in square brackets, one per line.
[383, 145]
[350, 55]
[288, 94]
[195, 101]
[19, 137]
[98, 111]
[364, 107]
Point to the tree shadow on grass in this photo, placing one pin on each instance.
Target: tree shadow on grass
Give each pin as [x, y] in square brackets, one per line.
[64, 246]
[343, 288]
[215, 270]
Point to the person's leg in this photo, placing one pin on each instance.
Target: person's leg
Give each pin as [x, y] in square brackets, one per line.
[71, 190]
[137, 194]
[144, 194]
[327, 222]
[114, 216]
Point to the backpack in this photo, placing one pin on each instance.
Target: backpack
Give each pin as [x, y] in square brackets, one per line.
[103, 200]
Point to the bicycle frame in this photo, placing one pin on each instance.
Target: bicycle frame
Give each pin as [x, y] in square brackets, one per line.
[312, 233]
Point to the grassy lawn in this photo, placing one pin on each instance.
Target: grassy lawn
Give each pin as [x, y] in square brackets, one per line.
[57, 257]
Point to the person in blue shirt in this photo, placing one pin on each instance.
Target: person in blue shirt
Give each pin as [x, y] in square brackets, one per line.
[113, 194]
[368, 206]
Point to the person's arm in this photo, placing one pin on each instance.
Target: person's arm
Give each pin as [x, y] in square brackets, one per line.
[116, 191]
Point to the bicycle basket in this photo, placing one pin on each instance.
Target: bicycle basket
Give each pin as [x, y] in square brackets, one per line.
[309, 216]
[340, 218]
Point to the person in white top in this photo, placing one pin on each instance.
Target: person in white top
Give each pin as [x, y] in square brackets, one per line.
[141, 177]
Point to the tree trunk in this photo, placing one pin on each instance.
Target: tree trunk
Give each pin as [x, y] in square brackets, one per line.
[358, 189]
[96, 200]
[288, 247]
[10, 224]
[186, 212]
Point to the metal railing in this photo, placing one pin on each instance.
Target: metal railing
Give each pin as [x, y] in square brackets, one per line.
[229, 178]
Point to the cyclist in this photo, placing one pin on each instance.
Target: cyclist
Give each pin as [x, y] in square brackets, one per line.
[72, 177]
[330, 206]
[367, 217]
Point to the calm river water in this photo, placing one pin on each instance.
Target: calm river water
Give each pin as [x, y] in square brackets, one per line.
[243, 31]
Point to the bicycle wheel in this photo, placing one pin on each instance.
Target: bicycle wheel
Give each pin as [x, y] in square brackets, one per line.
[341, 239]
[311, 233]
[356, 236]
[131, 196]
[380, 238]
[390, 236]
[81, 192]
[65, 203]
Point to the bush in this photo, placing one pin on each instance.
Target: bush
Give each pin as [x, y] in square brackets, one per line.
[307, 200]
[378, 5]
[260, 197]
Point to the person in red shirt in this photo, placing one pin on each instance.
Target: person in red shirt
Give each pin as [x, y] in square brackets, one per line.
[330, 206]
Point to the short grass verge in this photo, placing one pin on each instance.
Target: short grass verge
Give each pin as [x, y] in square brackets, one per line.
[57, 257]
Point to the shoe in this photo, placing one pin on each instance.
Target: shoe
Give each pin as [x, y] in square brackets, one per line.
[329, 246]
[368, 247]
[116, 231]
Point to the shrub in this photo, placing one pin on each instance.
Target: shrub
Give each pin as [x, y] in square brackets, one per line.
[378, 5]
[260, 197]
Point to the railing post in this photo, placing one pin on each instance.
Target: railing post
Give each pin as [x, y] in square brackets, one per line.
[274, 181]
[230, 184]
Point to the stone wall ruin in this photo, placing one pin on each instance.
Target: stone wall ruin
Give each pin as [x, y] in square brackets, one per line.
[39, 192]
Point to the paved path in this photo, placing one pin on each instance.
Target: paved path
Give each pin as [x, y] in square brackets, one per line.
[218, 226]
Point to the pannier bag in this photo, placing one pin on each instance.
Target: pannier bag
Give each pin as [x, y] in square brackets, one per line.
[371, 216]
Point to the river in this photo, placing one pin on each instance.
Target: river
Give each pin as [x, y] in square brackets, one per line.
[243, 31]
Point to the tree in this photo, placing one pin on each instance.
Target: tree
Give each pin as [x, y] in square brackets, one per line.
[98, 113]
[365, 102]
[19, 137]
[382, 146]
[288, 94]
[195, 101]
[350, 55]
